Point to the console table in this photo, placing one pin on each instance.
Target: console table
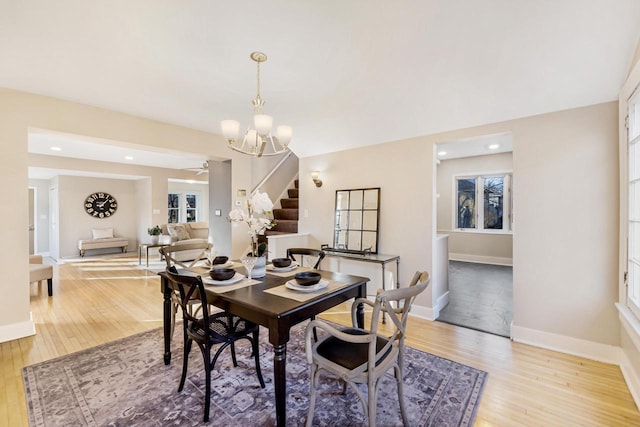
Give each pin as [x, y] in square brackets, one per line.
[146, 247]
[380, 259]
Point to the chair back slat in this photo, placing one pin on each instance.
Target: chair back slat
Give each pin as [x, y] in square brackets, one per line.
[190, 288]
[313, 257]
[169, 253]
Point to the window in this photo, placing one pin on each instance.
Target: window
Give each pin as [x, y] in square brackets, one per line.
[483, 203]
[182, 208]
[174, 208]
[192, 211]
[633, 221]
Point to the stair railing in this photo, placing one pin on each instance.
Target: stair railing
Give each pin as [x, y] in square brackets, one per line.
[275, 168]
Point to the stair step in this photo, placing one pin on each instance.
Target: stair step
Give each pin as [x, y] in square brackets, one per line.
[293, 193]
[279, 214]
[289, 203]
[275, 233]
[287, 225]
[295, 184]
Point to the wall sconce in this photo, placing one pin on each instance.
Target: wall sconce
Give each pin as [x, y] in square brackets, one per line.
[315, 176]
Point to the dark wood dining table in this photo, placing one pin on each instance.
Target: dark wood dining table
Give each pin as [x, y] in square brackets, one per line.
[274, 312]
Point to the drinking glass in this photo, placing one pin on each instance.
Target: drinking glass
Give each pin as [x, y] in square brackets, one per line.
[211, 255]
[249, 262]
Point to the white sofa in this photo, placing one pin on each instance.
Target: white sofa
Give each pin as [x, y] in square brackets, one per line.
[184, 233]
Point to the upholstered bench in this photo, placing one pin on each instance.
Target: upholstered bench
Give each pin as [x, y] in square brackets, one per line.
[114, 242]
[39, 272]
[103, 238]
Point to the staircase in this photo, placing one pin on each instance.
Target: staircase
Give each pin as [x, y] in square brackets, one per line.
[287, 216]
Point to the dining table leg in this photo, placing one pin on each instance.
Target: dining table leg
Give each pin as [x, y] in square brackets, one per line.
[166, 314]
[280, 382]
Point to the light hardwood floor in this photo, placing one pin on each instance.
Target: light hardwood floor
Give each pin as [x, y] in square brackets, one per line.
[100, 301]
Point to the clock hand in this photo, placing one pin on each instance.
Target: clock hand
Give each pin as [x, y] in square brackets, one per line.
[100, 205]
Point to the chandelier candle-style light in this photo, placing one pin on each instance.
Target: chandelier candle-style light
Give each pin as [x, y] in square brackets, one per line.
[257, 141]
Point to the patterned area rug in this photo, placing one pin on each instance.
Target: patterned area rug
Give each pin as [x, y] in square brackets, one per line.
[125, 383]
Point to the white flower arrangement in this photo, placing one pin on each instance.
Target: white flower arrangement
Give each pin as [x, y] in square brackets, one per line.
[255, 216]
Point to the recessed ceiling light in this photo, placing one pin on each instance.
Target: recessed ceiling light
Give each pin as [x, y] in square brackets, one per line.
[128, 158]
[55, 149]
[494, 146]
[442, 153]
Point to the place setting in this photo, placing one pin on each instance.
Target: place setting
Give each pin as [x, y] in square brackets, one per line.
[215, 261]
[224, 277]
[284, 266]
[305, 286]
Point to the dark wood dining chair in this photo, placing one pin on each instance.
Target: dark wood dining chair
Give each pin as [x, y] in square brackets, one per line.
[363, 356]
[208, 329]
[169, 254]
[313, 257]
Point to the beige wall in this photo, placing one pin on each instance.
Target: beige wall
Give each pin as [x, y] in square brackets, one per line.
[468, 245]
[565, 167]
[20, 111]
[404, 172]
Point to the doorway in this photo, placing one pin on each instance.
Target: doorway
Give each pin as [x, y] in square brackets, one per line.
[474, 179]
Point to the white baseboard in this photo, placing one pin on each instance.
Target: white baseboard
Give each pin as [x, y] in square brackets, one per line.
[631, 378]
[480, 259]
[569, 345]
[426, 313]
[440, 304]
[17, 330]
[563, 344]
[631, 373]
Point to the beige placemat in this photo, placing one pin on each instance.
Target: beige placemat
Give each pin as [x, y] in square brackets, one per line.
[283, 291]
[219, 289]
[288, 273]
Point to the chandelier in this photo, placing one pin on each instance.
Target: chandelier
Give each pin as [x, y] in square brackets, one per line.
[257, 141]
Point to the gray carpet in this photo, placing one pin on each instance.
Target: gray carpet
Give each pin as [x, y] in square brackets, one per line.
[125, 383]
[480, 297]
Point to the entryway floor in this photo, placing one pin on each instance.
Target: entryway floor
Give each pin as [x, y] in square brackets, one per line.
[480, 297]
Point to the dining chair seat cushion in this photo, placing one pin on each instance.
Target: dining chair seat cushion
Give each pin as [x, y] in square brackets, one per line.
[347, 354]
[223, 327]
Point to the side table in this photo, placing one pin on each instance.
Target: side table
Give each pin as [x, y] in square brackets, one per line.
[146, 247]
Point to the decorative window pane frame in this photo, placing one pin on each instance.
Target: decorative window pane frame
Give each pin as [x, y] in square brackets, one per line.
[477, 221]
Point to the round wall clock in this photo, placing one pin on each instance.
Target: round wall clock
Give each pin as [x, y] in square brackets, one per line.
[100, 205]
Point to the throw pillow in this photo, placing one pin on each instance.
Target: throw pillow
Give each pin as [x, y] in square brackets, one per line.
[102, 233]
[179, 231]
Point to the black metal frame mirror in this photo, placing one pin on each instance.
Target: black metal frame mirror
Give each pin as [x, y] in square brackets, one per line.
[357, 217]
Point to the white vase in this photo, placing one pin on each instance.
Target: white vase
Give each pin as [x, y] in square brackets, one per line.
[260, 269]
[154, 240]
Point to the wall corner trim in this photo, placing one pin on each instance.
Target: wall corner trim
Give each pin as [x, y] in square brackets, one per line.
[421, 312]
[569, 345]
[480, 259]
[14, 331]
[630, 324]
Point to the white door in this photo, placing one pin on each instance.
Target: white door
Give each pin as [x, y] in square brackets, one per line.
[32, 205]
[53, 223]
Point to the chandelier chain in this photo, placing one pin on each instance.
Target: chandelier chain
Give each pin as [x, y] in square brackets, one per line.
[258, 97]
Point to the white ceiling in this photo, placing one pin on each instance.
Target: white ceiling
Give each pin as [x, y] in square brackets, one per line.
[341, 73]
[477, 146]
